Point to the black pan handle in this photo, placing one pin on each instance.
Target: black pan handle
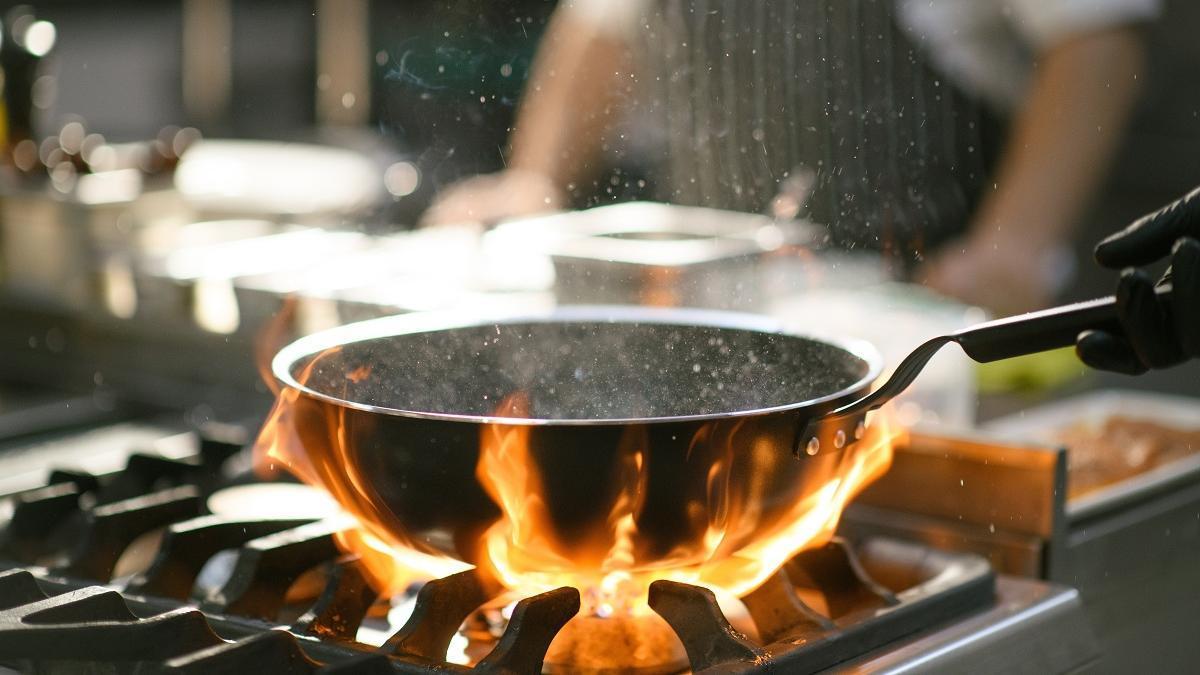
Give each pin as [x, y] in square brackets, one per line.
[1037, 331]
[1041, 331]
[985, 342]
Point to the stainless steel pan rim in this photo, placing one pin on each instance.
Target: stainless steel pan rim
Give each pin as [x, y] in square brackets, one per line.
[417, 322]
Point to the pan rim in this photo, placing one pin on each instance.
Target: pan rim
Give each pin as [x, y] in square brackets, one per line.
[417, 322]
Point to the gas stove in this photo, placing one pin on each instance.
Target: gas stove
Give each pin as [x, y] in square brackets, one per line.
[123, 552]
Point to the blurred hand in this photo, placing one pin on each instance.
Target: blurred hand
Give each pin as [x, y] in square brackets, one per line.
[1003, 275]
[490, 198]
[1158, 333]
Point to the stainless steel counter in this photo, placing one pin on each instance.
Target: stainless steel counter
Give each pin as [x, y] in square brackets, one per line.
[1034, 627]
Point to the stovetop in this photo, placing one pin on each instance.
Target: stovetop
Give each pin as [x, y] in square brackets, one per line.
[111, 560]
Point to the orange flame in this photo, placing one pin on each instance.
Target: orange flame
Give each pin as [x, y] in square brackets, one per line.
[522, 550]
[524, 555]
[392, 564]
[741, 538]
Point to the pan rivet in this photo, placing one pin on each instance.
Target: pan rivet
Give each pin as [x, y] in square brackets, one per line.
[813, 446]
[860, 430]
[839, 439]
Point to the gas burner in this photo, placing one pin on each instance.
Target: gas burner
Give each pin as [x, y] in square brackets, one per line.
[116, 572]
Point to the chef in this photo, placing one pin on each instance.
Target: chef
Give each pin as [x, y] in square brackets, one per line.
[962, 138]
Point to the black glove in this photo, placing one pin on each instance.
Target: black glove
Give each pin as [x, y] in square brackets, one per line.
[1158, 332]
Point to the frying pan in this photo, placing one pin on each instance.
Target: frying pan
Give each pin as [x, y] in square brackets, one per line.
[389, 416]
[392, 413]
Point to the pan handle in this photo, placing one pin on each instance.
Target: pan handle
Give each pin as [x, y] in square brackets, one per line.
[1045, 330]
[985, 342]
[838, 428]
[1037, 331]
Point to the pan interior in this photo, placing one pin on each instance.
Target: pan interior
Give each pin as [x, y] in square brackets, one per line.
[582, 370]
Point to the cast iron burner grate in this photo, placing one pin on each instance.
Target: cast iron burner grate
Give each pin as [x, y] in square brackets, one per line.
[62, 611]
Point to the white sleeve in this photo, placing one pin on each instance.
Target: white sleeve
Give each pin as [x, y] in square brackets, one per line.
[1046, 21]
[618, 18]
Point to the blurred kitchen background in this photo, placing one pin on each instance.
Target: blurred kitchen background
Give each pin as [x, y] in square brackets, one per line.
[187, 185]
[180, 168]
[357, 74]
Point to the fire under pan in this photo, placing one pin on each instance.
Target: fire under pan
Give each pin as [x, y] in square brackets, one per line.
[826, 607]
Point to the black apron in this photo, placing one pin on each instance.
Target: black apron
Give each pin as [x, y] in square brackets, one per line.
[740, 94]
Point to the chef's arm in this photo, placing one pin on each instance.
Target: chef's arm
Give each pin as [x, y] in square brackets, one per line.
[567, 111]
[1065, 135]
[576, 84]
[1059, 149]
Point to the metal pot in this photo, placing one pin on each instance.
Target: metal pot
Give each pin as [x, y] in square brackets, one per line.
[390, 416]
[663, 255]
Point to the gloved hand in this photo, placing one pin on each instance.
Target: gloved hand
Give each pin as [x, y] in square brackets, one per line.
[1158, 333]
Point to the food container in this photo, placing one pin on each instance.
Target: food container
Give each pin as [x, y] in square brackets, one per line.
[1152, 432]
[197, 284]
[662, 255]
[432, 269]
[315, 290]
[57, 245]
